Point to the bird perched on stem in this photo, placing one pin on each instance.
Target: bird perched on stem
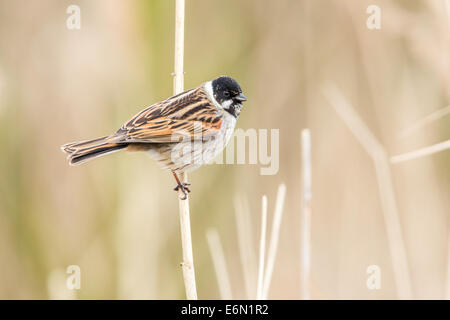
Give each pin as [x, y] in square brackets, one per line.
[182, 132]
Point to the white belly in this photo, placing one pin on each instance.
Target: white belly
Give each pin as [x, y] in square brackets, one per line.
[214, 146]
[185, 157]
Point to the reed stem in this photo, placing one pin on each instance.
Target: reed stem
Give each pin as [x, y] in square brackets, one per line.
[305, 218]
[185, 225]
[262, 249]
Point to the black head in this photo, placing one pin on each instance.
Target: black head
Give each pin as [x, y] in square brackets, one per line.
[228, 94]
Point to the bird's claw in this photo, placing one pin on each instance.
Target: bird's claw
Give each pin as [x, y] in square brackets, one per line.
[184, 188]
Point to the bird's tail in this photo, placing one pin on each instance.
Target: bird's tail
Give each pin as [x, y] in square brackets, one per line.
[79, 152]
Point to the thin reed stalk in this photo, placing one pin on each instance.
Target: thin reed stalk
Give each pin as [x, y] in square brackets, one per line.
[246, 246]
[185, 225]
[305, 217]
[220, 266]
[274, 237]
[385, 186]
[262, 249]
[425, 121]
[421, 152]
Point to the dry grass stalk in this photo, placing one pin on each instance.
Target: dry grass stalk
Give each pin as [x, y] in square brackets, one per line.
[262, 248]
[425, 121]
[421, 152]
[274, 236]
[246, 247]
[186, 238]
[389, 206]
[218, 257]
[305, 219]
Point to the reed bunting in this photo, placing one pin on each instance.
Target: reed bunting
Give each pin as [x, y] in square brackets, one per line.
[181, 133]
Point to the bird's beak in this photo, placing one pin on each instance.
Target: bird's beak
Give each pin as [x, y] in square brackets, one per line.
[241, 97]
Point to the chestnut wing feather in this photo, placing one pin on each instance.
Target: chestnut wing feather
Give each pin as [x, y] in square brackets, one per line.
[187, 115]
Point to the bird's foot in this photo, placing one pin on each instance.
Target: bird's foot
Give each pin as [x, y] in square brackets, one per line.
[183, 186]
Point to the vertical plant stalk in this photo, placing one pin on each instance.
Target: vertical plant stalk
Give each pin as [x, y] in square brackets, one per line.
[220, 266]
[262, 249]
[274, 237]
[185, 225]
[246, 245]
[305, 218]
[385, 186]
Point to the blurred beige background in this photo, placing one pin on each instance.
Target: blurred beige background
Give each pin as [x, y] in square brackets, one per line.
[117, 217]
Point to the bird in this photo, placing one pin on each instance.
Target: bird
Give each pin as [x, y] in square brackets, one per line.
[182, 132]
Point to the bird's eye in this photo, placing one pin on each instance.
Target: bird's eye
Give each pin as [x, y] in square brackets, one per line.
[226, 94]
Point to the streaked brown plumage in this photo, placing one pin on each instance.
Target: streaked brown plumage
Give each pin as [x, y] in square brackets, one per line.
[181, 132]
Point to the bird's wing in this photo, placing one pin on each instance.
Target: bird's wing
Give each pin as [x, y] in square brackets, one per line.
[188, 115]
